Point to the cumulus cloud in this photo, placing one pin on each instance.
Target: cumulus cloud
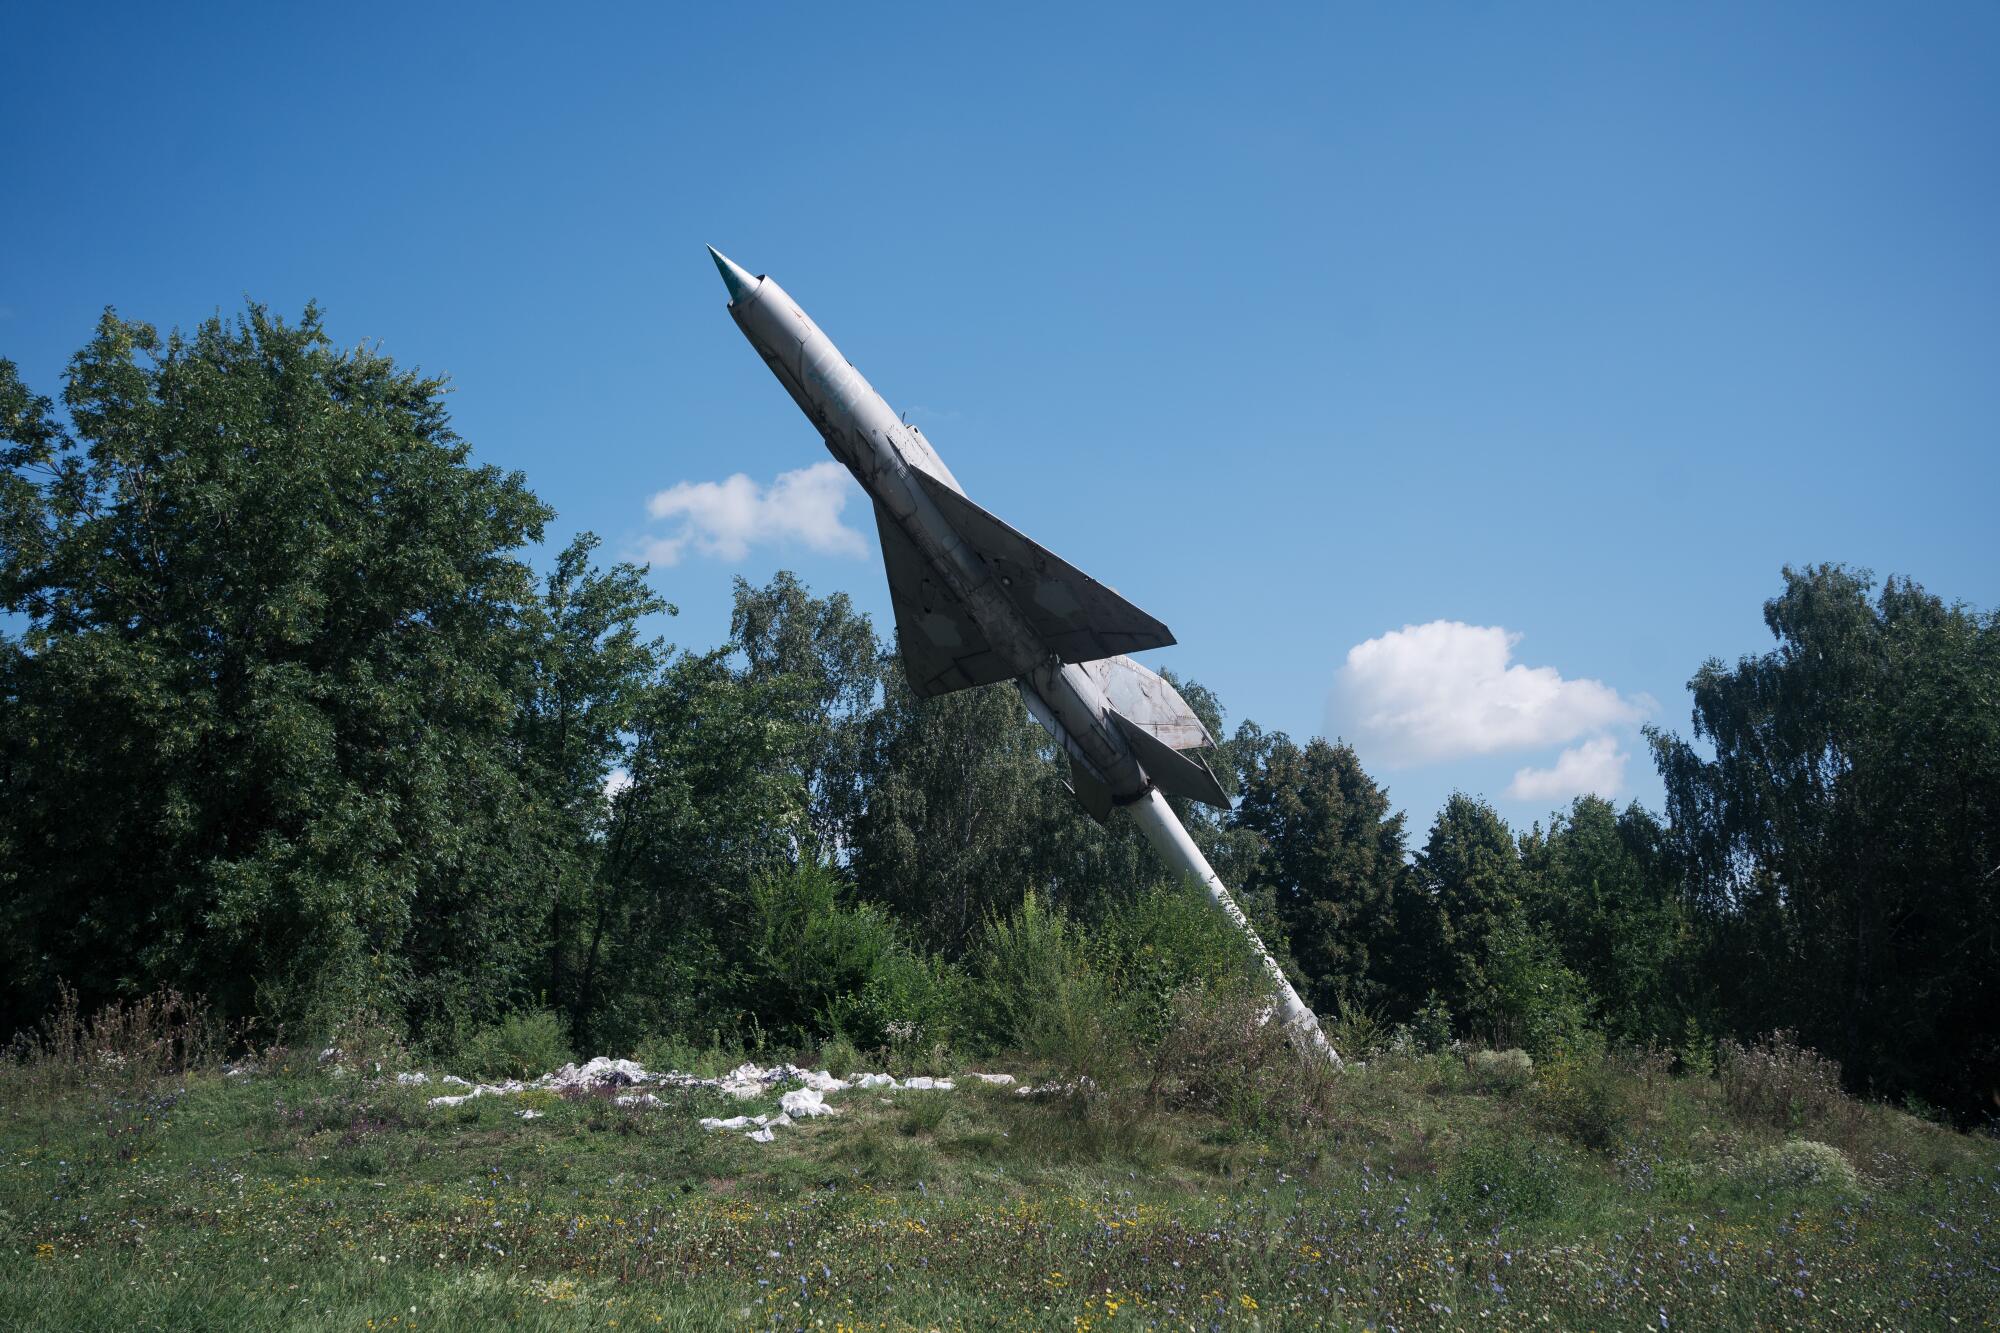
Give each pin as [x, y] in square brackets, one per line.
[725, 519]
[1596, 767]
[1447, 689]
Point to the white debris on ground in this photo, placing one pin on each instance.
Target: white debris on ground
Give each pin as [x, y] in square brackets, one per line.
[1083, 1083]
[807, 1102]
[805, 1098]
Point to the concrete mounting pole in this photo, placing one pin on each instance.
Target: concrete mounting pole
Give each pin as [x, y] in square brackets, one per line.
[1170, 839]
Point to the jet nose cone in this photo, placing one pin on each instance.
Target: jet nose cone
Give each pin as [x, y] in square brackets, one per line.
[739, 283]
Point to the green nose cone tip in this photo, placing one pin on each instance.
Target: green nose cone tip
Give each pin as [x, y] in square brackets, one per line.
[739, 283]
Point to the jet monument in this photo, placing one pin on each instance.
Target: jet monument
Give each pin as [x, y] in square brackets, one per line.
[978, 603]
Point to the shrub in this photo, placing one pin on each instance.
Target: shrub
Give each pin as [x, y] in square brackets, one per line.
[922, 1112]
[1579, 1099]
[1500, 1182]
[661, 1054]
[1804, 1164]
[839, 1057]
[122, 1043]
[1170, 938]
[1226, 1056]
[1697, 1049]
[807, 952]
[1357, 1032]
[1431, 1029]
[684, 981]
[910, 1001]
[1783, 1084]
[520, 1046]
[1501, 1071]
[1089, 1122]
[371, 1039]
[1537, 1003]
[1034, 990]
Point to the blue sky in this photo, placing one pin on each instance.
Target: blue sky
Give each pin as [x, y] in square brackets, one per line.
[1548, 332]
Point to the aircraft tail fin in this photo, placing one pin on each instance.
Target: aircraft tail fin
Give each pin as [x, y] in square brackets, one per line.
[1091, 793]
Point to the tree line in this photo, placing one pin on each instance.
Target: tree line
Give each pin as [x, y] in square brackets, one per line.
[289, 718]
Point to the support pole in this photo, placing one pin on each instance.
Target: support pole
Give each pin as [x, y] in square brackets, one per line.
[1164, 830]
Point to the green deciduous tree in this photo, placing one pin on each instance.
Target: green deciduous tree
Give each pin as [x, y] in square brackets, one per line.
[960, 800]
[830, 651]
[1603, 885]
[260, 721]
[967, 811]
[1843, 842]
[588, 673]
[715, 802]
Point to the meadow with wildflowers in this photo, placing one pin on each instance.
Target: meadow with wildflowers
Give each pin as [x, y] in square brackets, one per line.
[295, 1191]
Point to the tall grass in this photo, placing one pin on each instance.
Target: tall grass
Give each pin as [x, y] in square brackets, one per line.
[1225, 1056]
[1208, 1173]
[1778, 1081]
[125, 1043]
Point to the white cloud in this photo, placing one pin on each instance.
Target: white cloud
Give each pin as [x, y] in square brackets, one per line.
[725, 518]
[617, 780]
[1596, 767]
[1447, 689]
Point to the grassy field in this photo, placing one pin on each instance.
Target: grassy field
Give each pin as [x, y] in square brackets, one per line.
[1425, 1192]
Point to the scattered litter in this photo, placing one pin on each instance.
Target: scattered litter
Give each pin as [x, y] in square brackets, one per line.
[733, 1122]
[821, 1081]
[1084, 1083]
[507, 1089]
[806, 1102]
[598, 1073]
[748, 1080]
[803, 1097]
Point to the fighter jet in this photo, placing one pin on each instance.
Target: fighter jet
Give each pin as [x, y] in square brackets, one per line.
[976, 601]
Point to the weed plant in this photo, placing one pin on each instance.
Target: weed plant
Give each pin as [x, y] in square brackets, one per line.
[521, 1046]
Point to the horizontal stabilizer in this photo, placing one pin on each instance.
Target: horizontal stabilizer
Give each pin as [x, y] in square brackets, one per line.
[1144, 698]
[1079, 618]
[1172, 772]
